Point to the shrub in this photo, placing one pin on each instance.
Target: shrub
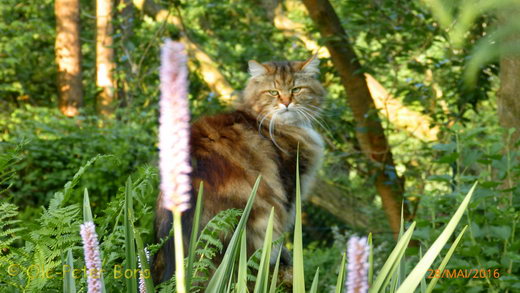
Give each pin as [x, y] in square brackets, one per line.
[53, 146]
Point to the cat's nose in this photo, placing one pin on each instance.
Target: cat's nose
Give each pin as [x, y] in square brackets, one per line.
[285, 102]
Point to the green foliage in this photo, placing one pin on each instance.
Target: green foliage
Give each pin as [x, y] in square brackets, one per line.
[52, 147]
[25, 77]
[482, 154]
[458, 17]
[420, 56]
[209, 244]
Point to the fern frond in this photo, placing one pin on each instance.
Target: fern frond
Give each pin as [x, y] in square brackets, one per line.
[60, 196]
[9, 232]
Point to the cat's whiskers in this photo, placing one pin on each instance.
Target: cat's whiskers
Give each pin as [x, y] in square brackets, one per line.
[261, 121]
[319, 120]
[271, 129]
[305, 116]
[270, 113]
[317, 109]
[314, 115]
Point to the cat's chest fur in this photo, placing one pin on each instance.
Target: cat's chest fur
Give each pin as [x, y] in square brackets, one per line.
[306, 145]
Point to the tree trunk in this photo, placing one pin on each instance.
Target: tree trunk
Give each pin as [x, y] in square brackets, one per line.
[369, 130]
[401, 117]
[334, 200]
[68, 56]
[508, 98]
[104, 58]
[126, 19]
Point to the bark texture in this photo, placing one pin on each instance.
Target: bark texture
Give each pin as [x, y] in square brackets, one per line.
[369, 130]
[508, 98]
[333, 199]
[399, 115]
[68, 56]
[104, 58]
[126, 18]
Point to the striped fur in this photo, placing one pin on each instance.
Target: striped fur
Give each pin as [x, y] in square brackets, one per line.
[261, 137]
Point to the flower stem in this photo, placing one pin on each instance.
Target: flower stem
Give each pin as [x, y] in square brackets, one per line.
[179, 253]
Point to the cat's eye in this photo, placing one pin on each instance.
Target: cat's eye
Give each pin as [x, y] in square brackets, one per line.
[296, 90]
[273, 93]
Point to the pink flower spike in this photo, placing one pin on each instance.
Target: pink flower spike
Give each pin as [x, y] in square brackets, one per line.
[92, 257]
[357, 267]
[174, 128]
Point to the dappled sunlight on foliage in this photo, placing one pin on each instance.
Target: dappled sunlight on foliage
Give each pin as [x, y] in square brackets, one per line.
[452, 66]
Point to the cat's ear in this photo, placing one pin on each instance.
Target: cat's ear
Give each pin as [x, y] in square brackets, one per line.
[256, 69]
[311, 65]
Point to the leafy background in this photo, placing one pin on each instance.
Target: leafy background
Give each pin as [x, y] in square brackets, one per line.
[404, 46]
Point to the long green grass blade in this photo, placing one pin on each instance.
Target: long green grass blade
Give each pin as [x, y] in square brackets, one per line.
[242, 264]
[298, 272]
[423, 281]
[444, 261]
[217, 283]
[340, 283]
[314, 286]
[398, 275]
[194, 236]
[415, 276]
[274, 280]
[130, 261]
[230, 282]
[69, 286]
[370, 260]
[392, 262]
[148, 282]
[87, 212]
[263, 273]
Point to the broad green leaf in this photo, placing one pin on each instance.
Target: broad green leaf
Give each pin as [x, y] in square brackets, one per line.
[217, 283]
[87, 213]
[398, 275]
[230, 283]
[392, 262]
[415, 276]
[314, 286]
[194, 236]
[298, 272]
[444, 261]
[340, 283]
[423, 281]
[143, 260]
[69, 285]
[130, 256]
[242, 264]
[274, 280]
[262, 277]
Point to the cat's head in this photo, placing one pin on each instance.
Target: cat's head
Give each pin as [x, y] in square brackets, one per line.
[286, 92]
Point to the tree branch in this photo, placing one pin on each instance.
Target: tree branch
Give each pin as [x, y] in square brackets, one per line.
[212, 76]
[369, 130]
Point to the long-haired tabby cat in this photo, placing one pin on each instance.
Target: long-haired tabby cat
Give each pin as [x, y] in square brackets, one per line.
[229, 151]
